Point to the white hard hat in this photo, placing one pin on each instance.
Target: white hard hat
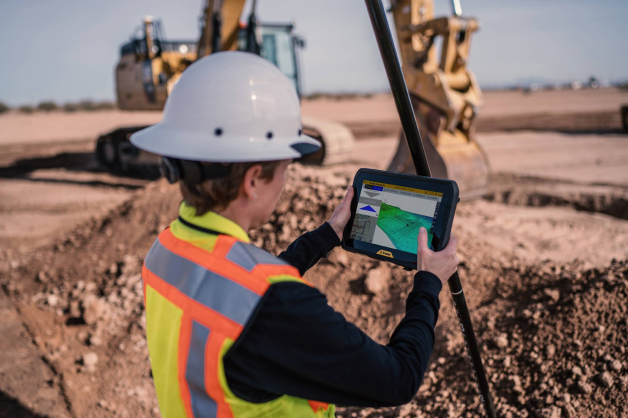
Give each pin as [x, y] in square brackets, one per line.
[230, 107]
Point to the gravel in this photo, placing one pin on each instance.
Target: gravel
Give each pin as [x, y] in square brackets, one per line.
[553, 336]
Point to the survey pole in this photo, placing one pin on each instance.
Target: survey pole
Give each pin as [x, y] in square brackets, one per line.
[415, 144]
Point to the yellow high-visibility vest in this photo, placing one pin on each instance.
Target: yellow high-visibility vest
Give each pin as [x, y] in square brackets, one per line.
[200, 290]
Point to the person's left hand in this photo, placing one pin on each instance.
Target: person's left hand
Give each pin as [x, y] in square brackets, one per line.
[342, 213]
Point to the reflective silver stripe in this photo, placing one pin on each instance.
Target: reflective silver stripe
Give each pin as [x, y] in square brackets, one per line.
[225, 296]
[202, 405]
[248, 256]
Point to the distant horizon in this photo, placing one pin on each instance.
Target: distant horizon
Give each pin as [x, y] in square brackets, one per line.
[550, 85]
[72, 54]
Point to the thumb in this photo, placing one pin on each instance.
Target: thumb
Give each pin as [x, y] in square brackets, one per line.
[348, 196]
[422, 240]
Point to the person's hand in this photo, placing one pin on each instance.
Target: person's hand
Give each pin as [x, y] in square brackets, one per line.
[442, 263]
[342, 213]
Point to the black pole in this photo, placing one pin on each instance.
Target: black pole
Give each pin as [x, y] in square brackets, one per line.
[413, 137]
[216, 37]
[398, 86]
[251, 40]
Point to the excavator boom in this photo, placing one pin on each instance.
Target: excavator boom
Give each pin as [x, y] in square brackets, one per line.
[445, 95]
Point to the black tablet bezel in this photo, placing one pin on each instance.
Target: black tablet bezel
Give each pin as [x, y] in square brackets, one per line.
[442, 226]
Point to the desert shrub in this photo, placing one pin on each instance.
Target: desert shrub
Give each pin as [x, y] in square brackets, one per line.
[339, 96]
[4, 108]
[70, 107]
[87, 105]
[105, 105]
[26, 109]
[47, 106]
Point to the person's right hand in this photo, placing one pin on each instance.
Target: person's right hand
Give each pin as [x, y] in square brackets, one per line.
[442, 263]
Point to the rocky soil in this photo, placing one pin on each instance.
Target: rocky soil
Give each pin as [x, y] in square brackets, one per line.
[555, 340]
[553, 334]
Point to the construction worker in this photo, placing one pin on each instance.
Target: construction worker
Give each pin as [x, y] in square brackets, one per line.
[232, 330]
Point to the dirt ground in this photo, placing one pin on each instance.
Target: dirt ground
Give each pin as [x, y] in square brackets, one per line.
[544, 262]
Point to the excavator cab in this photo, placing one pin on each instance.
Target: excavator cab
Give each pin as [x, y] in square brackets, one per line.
[278, 44]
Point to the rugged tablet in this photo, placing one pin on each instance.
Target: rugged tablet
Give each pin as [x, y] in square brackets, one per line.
[389, 208]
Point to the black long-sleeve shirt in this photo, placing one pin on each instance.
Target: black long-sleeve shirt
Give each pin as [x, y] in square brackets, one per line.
[296, 344]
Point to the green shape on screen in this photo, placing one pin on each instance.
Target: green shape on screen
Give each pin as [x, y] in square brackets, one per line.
[402, 227]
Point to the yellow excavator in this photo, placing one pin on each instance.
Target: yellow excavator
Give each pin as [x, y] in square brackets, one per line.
[150, 66]
[445, 95]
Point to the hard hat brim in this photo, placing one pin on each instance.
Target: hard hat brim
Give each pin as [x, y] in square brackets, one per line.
[168, 141]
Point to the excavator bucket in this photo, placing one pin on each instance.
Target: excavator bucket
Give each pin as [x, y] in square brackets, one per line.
[458, 160]
[451, 155]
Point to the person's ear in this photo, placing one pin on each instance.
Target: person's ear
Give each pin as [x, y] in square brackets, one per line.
[251, 182]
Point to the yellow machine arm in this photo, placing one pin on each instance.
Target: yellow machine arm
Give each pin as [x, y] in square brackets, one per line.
[221, 16]
[445, 94]
[417, 30]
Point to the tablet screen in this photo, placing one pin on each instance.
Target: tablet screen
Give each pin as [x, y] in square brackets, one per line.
[390, 215]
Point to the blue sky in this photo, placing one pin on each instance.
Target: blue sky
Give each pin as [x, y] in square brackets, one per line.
[65, 50]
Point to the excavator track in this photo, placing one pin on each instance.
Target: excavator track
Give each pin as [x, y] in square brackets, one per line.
[114, 152]
[336, 139]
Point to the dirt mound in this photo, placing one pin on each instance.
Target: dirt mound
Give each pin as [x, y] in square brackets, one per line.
[537, 218]
[559, 341]
[555, 345]
[606, 121]
[518, 190]
[81, 303]
[81, 297]
[602, 122]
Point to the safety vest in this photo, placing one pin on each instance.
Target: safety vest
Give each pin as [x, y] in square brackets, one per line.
[200, 290]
